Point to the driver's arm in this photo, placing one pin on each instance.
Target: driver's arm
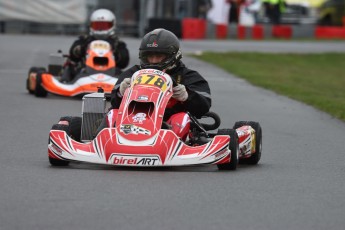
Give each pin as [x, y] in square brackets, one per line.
[199, 95]
[116, 98]
[78, 49]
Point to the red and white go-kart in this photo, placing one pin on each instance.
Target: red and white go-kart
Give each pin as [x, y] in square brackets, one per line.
[148, 141]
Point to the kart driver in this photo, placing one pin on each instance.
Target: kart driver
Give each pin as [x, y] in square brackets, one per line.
[102, 27]
[160, 49]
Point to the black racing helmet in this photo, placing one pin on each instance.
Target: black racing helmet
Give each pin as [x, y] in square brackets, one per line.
[160, 41]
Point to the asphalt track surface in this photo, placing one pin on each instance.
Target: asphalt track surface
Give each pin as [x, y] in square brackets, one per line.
[298, 184]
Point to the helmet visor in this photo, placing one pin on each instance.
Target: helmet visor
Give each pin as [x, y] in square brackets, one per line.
[101, 25]
[154, 57]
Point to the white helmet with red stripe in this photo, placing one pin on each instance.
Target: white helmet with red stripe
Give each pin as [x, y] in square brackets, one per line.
[102, 23]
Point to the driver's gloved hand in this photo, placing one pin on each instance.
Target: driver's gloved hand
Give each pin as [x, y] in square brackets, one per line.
[180, 93]
[124, 85]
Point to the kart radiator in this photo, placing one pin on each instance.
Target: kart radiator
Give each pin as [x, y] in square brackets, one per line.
[56, 62]
[93, 111]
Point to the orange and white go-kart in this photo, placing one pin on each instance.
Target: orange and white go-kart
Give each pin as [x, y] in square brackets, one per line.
[98, 71]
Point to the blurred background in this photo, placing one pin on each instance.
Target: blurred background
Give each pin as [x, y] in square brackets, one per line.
[136, 17]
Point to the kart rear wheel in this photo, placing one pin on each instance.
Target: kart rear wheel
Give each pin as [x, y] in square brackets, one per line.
[39, 90]
[255, 158]
[234, 148]
[73, 127]
[54, 161]
[32, 74]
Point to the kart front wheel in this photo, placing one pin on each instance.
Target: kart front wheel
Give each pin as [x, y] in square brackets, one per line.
[54, 161]
[234, 148]
[256, 156]
[73, 126]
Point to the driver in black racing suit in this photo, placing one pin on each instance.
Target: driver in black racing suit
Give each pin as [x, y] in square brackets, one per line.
[160, 49]
[102, 27]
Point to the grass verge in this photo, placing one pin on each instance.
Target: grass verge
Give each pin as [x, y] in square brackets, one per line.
[315, 79]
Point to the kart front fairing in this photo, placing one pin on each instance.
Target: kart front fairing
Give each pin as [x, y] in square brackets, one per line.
[137, 138]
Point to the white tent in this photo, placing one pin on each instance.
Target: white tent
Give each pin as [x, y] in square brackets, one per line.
[44, 11]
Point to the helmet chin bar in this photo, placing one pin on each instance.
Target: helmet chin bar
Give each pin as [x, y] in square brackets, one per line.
[167, 65]
[151, 66]
[102, 34]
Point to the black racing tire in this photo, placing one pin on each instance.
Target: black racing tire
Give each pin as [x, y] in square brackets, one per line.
[54, 161]
[233, 146]
[255, 158]
[73, 127]
[32, 70]
[40, 91]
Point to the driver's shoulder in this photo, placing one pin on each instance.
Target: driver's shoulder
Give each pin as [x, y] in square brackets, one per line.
[129, 72]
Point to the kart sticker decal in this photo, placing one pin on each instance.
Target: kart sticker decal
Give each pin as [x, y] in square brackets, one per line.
[224, 159]
[126, 129]
[55, 154]
[245, 147]
[64, 148]
[151, 71]
[133, 129]
[59, 156]
[143, 98]
[139, 117]
[217, 160]
[221, 152]
[99, 46]
[55, 149]
[150, 141]
[135, 159]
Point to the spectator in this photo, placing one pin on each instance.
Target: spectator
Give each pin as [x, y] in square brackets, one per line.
[233, 11]
[203, 7]
[254, 7]
[247, 13]
[273, 10]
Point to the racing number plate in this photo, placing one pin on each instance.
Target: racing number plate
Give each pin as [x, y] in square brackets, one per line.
[99, 46]
[151, 79]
